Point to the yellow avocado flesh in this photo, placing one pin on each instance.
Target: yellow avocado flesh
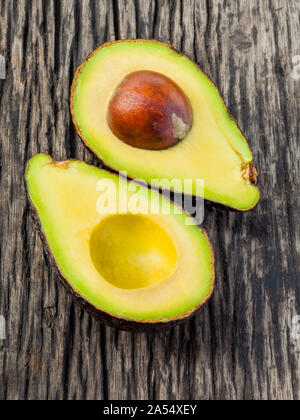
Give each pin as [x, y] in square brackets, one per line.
[146, 254]
[138, 266]
[214, 150]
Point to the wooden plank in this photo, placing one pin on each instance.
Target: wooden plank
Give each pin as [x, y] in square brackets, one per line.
[241, 345]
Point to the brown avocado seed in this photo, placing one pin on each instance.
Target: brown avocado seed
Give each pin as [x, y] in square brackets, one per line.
[149, 111]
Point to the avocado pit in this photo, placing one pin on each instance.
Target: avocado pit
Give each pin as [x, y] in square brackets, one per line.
[149, 111]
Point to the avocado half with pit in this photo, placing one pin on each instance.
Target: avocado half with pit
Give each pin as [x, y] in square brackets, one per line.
[135, 269]
[146, 109]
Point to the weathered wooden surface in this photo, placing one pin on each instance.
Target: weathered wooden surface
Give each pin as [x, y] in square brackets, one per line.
[241, 345]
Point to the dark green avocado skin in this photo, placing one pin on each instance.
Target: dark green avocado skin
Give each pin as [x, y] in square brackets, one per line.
[121, 324]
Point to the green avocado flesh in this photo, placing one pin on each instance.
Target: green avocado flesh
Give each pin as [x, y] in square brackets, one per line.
[214, 150]
[112, 250]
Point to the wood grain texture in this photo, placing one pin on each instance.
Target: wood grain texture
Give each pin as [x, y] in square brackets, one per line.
[240, 346]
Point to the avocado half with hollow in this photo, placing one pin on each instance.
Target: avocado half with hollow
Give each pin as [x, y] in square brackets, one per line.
[146, 109]
[136, 269]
